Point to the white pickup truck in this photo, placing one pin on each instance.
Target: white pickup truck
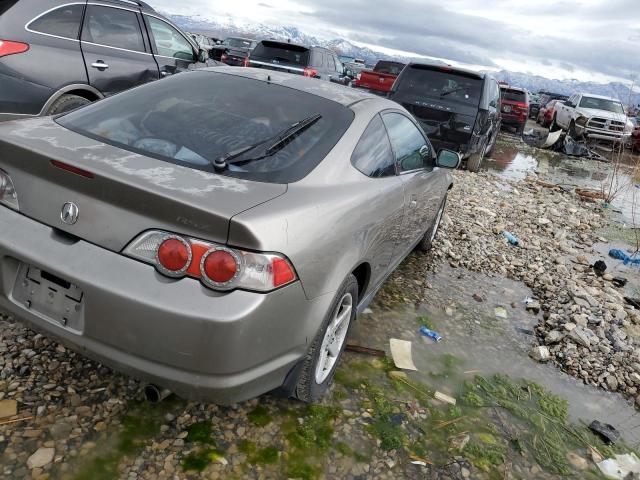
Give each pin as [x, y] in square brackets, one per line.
[597, 117]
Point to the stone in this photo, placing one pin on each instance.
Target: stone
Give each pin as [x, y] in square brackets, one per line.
[612, 382]
[41, 457]
[458, 442]
[8, 408]
[554, 336]
[540, 354]
[578, 462]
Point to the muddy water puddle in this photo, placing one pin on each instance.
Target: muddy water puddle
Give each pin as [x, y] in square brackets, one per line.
[486, 344]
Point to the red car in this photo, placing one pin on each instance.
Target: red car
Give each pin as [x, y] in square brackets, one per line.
[381, 78]
[545, 115]
[514, 106]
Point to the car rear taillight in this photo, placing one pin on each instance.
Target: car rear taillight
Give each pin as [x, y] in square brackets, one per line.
[11, 48]
[224, 56]
[310, 72]
[246, 62]
[8, 195]
[217, 266]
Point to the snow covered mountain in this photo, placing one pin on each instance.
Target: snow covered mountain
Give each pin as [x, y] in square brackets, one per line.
[222, 27]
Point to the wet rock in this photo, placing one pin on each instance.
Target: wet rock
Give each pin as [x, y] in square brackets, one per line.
[41, 457]
[540, 354]
[607, 432]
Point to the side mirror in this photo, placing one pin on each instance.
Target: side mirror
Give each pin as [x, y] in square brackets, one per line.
[203, 55]
[448, 159]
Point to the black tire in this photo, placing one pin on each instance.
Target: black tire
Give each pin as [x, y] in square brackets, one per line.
[475, 160]
[307, 389]
[427, 241]
[553, 126]
[66, 103]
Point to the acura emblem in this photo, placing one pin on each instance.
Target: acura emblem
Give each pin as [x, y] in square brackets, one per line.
[69, 213]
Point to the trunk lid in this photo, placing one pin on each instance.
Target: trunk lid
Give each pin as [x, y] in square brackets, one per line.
[128, 194]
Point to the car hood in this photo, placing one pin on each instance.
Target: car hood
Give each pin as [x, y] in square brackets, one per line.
[592, 112]
[128, 194]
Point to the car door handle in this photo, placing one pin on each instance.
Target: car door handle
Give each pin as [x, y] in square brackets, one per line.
[100, 65]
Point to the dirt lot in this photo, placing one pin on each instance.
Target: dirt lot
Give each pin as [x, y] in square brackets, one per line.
[513, 418]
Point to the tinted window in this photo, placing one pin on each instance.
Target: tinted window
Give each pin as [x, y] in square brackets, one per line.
[392, 68]
[441, 84]
[514, 95]
[193, 118]
[408, 143]
[373, 155]
[282, 52]
[601, 104]
[62, 22]
[112, 27]
[169, 42]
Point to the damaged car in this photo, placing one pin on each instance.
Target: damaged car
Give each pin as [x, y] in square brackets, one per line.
[458, 109]
[215, 233]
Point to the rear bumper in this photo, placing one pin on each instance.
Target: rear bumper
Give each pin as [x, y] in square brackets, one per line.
[198, 343]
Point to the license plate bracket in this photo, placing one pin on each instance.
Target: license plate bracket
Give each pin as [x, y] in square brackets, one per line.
[50, 297]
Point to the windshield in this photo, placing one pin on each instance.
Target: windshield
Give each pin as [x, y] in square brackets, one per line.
[512, 95]
[602, 104]
[237, 43]
[441, 84]
[194, 118]
[282, 53]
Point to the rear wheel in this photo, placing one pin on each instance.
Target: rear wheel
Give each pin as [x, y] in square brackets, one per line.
[427, 241]
[554, 127]
[66, 103]
[321, 361]
[475, 160]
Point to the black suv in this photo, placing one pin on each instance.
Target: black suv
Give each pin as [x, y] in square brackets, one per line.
[57, 55]
[314, 62]
[458, 109]
[234, 51]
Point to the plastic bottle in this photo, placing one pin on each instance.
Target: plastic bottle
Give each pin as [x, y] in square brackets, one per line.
[511, 237]
[430, 333]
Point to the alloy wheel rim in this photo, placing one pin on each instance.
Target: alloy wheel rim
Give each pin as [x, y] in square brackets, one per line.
[334, 338]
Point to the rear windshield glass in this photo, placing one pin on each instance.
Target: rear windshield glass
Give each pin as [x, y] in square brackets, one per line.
[514, 95]
[194, 118]
[237, 43]
[282, 52]
[441, 84]
[392, 68]
[601, 104]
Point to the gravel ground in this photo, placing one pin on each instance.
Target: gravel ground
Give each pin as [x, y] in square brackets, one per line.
[75, 418]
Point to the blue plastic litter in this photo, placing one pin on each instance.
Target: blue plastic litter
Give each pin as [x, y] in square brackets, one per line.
[430, 333]
[627, 259]
[513, 240]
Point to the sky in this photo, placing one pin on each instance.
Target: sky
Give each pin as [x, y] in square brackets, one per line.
[597, 40]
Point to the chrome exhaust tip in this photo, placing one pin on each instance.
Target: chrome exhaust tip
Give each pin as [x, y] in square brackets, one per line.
[155, 394]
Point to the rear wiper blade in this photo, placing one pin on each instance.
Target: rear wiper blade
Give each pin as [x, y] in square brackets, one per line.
[449, 92]
[279, 140]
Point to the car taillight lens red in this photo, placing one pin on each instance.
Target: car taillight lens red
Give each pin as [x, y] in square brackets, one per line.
[282, 272]
[11, 48]
[310, 72]
[174, 255]
[219, 266]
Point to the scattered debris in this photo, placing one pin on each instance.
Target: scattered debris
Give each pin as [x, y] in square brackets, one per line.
[458, 442]
[367, 311]
[443, 397]
[619, 282]
[477, 297]
[590, 194]
[606, 432]
[540, 354]
[626, 259]
[532, 305]
[16, 420]
[430, 333]
[510, 237]
[620, 467]
[423, 462]
[365, 350]
[501, 312]
[401, 353]
[8, 408]
[634, 302]
[599, 267]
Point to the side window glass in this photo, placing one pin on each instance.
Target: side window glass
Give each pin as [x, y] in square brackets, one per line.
[373, 155]
[412, 151]
[112, 27]
[61, 22]
[169, 42]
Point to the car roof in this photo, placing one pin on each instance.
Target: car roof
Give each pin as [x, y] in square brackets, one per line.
[331, 91]
[449, 68]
